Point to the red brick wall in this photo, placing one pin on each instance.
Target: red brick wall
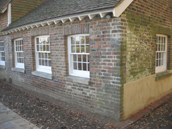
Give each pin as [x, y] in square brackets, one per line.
[3, 21]
[140, 23]
[142, 20]
[103, 94]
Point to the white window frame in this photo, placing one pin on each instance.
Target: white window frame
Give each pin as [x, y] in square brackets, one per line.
[162, 54]
[46, 69]
[2, 62]
[18, 65]
[73, 72]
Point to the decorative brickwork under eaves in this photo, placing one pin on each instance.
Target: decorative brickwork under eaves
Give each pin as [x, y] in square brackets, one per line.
[57, 8]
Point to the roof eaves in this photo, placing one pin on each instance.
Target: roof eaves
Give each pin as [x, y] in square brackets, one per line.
[117, 11]
[4, 8]
[62, 19]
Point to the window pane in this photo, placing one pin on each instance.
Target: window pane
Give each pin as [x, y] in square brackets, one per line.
[49, 56]
[22, 60]
[159, 49]
[19, 54]
[1, 44]
[79, 66]
[72, 40]
[48, 40]
[74, 57]
[84, 67]
[40, 47]
[79, 58]
[84, 58]
[159, 40]
[88, 67]
[156, 62]
[87, 49]
[39, 55]
[46, 56]
[37, 40]
[22, 54]
[82, 39]
[77, 39]
[159, 55]
[3, 58]
[45, 62]
[88, 57]
[48, 47]
[159, 61]
[43, 55]
[77, 49]
[37, 47]
[82, 49]
[49, 62]
[2, 53]
[73, 49]
[40, 62]
[1, 49]
[16, 48]
[44, 49]
[75, 66]
[18, 60]
[87, 39]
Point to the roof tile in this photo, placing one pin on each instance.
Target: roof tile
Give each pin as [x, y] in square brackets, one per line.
[3, 3]
[56, 8]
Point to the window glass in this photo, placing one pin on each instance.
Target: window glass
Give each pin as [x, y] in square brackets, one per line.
[79, 55]
[43, 56]
[161, 52]
[19, 55]
[2, 53]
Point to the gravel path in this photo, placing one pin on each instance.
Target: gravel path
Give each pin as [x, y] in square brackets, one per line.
[49, 116]
[44, 114]
[160, 118]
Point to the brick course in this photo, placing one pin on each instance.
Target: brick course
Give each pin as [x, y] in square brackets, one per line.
[3, 21]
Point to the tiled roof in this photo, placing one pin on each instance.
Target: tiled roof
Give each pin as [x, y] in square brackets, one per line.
[3, 3]
[56, 8]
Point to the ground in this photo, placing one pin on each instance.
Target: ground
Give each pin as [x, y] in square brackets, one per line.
[50, 116]
[45, 114]
[160, 118]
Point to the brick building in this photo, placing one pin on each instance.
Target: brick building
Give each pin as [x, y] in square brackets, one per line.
[107, 57]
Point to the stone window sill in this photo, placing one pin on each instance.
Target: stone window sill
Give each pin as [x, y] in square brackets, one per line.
[81, 80]
[42, 74]
[18, 70]
[2, 67]
[162, 75]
